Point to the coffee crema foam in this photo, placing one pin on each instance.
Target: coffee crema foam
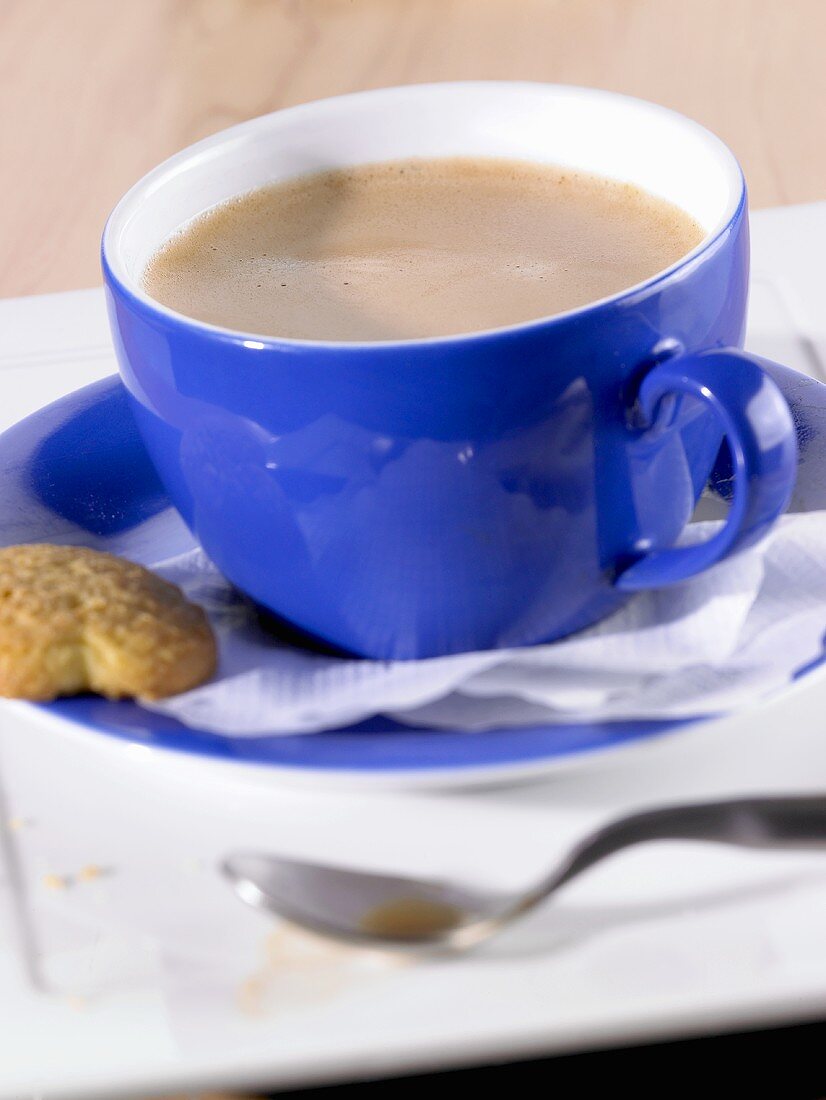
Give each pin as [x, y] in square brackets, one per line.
[416, 248]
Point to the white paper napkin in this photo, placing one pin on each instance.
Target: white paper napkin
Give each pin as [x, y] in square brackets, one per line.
[740, 630]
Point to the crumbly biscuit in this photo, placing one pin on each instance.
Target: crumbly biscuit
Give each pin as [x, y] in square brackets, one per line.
[74, 620]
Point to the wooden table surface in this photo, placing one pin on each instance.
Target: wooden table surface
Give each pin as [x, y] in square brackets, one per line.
[95, 92]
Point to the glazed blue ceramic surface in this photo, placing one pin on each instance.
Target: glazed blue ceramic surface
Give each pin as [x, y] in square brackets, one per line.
[412, 500]
[416, 498]
[77, 472]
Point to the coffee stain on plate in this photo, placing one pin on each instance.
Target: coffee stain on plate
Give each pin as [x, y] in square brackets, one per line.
[302, 970]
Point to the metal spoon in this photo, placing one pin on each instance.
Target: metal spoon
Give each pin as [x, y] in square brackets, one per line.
[378, 910]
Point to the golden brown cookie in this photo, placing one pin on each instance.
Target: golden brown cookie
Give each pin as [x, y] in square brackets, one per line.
[74, 620]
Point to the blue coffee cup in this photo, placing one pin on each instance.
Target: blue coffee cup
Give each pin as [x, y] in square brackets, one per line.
[413, 498]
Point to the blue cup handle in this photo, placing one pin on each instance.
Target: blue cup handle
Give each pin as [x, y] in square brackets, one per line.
[763, 446]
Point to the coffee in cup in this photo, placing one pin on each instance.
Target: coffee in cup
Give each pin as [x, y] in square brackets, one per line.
[416, 248]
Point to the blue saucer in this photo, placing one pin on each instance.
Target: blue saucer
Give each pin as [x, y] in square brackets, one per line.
[76, 472]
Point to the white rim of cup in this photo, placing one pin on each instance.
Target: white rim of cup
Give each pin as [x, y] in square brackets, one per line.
[116, 269]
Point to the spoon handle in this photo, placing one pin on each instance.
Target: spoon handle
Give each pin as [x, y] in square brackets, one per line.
[793, 821]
